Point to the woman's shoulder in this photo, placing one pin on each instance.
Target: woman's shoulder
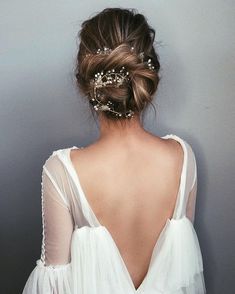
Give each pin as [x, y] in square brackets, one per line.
[187, 146]
[52, 160]
[187, 143]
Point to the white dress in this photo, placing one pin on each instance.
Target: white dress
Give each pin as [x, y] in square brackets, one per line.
[79, 255]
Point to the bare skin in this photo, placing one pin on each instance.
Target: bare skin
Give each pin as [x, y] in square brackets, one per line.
[131, 179]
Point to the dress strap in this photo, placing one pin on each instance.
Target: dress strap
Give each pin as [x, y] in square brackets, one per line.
[85, 215]
[187, 177]
[178, 210]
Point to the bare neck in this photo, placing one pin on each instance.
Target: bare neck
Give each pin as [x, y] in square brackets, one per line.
[127, 133]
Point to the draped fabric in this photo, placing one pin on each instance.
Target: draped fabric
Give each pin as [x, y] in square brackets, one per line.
[80, 256]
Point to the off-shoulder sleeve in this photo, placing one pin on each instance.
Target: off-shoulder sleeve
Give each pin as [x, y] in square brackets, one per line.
[191, 204]
[52, 273]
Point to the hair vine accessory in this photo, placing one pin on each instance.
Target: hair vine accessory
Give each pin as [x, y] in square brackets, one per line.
[113, 78]
[107, 51]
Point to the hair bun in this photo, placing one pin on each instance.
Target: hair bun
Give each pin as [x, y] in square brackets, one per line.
[130, 46]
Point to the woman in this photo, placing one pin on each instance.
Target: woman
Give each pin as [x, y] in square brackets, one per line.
[118, 214]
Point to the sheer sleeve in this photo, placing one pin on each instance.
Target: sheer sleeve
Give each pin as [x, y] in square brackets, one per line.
[52, 273]
[191, 204]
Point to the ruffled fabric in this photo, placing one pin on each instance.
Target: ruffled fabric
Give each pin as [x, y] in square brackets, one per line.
[49, 279]
[96, 268]
[176, 265]
[197, 287]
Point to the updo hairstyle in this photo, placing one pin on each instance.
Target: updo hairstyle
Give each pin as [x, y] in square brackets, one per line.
[120, 30]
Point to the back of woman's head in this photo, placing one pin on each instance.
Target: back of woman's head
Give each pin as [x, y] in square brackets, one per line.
[130, 40]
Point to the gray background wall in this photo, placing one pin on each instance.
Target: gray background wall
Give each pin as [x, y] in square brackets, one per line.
[40, 111]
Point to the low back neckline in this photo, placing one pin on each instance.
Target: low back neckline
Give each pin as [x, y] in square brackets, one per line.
[99, 225]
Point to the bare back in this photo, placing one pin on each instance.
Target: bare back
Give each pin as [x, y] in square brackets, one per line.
[132, 192]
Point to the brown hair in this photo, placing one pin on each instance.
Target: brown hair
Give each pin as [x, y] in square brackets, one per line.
[118, 29]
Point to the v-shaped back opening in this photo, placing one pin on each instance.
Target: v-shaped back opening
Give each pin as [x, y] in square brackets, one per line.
[156, 250]
[84, 199]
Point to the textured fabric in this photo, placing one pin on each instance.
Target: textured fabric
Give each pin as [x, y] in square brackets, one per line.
[80, 256]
